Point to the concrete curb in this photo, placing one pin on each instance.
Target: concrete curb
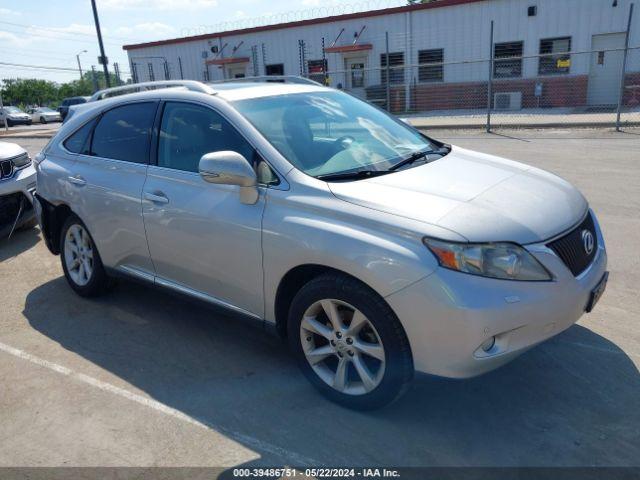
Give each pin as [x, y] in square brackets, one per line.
[472, 126]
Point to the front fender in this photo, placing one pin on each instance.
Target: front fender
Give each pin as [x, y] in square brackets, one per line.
[316, 228]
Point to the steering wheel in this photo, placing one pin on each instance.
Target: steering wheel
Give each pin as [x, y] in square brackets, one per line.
[345, 141]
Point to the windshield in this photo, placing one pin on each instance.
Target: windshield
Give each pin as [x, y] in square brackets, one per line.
[13, 109]
[46, 110]
[327, 133]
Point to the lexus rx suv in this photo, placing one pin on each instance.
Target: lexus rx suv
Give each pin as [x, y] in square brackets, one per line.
[375, 250]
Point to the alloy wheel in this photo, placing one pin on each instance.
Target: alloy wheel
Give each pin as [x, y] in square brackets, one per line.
[342, 347]
[78, 254]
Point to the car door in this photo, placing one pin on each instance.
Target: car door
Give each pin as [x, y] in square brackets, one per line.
[106, 184]
[202, 239]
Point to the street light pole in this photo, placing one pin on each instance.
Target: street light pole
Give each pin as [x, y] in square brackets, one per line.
[78, 58]
[102, 55]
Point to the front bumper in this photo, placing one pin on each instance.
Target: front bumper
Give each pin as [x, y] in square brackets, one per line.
[448, 315]
[20, 121]
[20, 187]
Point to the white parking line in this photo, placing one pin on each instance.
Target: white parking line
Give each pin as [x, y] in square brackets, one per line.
[292, 459]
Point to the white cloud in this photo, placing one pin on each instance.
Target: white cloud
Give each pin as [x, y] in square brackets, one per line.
[158, 4]
[7, 11]
[144, 29]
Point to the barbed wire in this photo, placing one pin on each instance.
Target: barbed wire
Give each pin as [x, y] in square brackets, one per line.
[292, 16]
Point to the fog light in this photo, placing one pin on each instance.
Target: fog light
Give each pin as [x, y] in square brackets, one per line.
[488, 344]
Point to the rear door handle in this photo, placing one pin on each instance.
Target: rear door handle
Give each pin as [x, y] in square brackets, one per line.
[77, 180]
[158, 197]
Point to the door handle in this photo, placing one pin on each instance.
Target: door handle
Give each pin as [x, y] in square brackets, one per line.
[158, 197]
[77, 180]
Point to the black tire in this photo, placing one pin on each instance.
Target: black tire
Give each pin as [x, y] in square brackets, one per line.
[43, 120]
[99, 282]
[9, 123]
[399, 369]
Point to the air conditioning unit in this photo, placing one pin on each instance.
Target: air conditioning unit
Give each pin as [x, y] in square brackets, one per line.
[507, 101]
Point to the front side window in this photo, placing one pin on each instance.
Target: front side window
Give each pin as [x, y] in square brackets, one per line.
[325, 133]
[123, 133]
[555, 58]
[508, 59]
[189, 131]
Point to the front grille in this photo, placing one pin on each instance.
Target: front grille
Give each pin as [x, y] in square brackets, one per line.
[573, 247]
[6, 169]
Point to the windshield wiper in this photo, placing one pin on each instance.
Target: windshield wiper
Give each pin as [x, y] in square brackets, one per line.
[357, 175]
[418, 155]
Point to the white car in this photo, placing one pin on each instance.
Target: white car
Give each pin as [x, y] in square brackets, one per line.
[11, 116]
[44, 115]
[17, 187]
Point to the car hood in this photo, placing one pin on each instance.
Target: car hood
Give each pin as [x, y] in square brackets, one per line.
[10, 150]
[482, 197]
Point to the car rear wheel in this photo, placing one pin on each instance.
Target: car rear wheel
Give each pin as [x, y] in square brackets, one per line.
[349, 343]
[81, 261]
[43, 120]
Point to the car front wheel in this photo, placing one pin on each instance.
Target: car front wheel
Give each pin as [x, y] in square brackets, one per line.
[81, 261]
[349, 343]
[43, 120]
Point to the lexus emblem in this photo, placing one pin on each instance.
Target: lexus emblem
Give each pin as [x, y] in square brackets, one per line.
[588, 241]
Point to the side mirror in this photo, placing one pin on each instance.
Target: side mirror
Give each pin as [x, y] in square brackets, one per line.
[230, 168]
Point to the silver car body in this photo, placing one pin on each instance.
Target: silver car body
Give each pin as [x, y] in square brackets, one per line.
[236, 255]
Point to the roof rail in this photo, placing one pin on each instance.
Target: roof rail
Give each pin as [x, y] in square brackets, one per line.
[271, 78]
[192, 85]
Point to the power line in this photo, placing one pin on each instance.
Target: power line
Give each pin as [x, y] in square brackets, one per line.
[92, 35]
[44, 67]
[57, 37]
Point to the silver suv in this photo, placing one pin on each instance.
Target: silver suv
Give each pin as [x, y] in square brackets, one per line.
[374, 249]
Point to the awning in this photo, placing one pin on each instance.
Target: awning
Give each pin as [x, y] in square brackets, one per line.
[349, 48]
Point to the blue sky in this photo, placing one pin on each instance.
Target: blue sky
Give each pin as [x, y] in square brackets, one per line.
[51, 33]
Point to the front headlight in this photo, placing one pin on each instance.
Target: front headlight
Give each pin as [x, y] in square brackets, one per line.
[21, 160]
[506, 261]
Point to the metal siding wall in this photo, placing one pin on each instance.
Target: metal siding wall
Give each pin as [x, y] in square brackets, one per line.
[462, 31]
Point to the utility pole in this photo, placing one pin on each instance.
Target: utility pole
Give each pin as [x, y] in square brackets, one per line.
[103, 58]
[78, 58]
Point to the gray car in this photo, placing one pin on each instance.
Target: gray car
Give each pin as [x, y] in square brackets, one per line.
[375, 250]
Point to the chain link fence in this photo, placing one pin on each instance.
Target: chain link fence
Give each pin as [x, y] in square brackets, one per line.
[599, 87]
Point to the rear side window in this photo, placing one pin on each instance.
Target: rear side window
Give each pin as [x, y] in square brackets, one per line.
[123, 133]
[189, 131]
[79, 141]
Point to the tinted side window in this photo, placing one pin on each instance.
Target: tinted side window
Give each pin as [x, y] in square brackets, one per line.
[79, 141]
[123, 133]
[189, 131]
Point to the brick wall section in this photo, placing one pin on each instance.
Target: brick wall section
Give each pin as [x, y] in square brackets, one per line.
[632, 95]
[556, 92]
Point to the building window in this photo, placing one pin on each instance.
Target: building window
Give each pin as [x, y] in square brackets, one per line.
[555, 57]
[276, 69]
[317, 70]
[508, 59]
[396, 72]
[431, 73]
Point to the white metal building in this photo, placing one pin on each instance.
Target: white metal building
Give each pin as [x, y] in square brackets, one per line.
[558, 52]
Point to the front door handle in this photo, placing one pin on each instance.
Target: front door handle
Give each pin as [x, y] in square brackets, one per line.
[77, 180]
[157, 197]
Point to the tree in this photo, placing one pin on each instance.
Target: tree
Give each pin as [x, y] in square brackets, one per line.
[28, 91]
